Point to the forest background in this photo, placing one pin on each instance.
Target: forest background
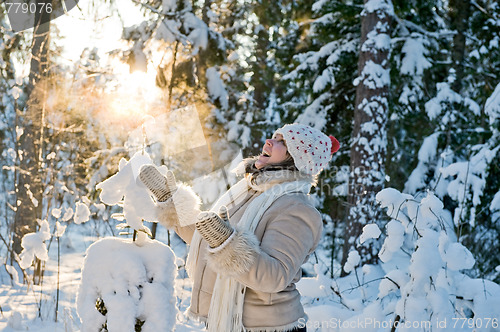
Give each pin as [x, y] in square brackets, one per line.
[411, 89]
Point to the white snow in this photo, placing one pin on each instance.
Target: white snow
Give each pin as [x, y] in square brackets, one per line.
[457, 257]
[444, 95]
[82, 213]
[353, 260]
[374, 76]
[379, 5]
[134, 282]
[394, 240]
[370, 231]
[468, 180]
[198, 32]
[168, 30]
[60, 229]
[137, 204]
[495, 206]
[326, 78]
[34, 245]
[423, 264]
[68, 214]
[168, 6]
[216, 88]
[414, 61]
[419, 279]
[315, 114]
[56, 213]
[492, 106]
[426, 155]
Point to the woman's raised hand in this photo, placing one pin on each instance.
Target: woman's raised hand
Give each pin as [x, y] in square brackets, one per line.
[161, 187]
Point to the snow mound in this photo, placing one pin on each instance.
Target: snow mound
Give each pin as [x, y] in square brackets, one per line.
[124, 284]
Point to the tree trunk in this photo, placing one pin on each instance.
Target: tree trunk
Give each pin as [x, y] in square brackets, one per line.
[459, 16]
[29, 182]
[368, 150]
[261, 79]
[269, 15]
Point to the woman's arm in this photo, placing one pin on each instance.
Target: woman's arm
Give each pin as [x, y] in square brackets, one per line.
[292, 232]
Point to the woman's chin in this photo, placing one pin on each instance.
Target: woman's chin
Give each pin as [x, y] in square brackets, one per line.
[259, 164]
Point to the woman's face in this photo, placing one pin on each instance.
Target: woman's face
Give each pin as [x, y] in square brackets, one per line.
[273, 152]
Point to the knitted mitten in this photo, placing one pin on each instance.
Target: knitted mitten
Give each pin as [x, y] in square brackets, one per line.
[214, 227]
[160, 186]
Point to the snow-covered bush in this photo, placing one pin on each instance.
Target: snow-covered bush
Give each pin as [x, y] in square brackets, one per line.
[424, 288]
[34, 246]
[127, 287]
[420, 283]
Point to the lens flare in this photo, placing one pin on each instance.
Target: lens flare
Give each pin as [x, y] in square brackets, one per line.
[135, 93]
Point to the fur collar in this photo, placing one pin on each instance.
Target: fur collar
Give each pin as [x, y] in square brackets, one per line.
[263, 180]
[245, 166]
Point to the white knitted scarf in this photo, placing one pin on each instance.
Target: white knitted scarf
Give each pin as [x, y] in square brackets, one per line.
[226, 307]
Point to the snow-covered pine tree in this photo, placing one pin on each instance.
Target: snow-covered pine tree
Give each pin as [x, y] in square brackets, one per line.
[368, 149]
[255, 72]
[417, 62]
[481, 83]
[317, 58]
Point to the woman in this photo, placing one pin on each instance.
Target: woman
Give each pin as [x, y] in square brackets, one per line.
[245, 254]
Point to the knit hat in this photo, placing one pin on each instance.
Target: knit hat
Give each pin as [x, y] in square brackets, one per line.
[311, 150]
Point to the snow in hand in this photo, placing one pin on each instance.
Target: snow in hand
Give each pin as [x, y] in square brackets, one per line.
[137, 203]
[131, 284]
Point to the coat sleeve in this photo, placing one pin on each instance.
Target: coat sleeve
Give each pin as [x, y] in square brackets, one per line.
[292, 233]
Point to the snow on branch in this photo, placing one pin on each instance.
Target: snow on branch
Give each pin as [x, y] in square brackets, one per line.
[125, 185]
[34, 246]
[423, 264]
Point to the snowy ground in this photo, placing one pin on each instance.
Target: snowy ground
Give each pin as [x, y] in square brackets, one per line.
[33, 309]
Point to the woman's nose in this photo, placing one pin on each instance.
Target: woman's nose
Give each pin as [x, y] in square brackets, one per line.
[269, 142]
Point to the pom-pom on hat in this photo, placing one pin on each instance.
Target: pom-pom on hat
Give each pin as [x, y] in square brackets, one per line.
[311, 150]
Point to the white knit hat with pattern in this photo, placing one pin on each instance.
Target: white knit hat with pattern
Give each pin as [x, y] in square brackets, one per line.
[311, 150]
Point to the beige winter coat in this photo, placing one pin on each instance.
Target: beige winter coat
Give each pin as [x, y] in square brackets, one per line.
[288, 233]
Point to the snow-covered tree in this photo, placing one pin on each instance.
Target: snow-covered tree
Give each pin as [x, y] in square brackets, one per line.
[29, 181]
[423, 265]
[368, 149]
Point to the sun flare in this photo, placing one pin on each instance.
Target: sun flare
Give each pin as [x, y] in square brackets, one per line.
[136, 92]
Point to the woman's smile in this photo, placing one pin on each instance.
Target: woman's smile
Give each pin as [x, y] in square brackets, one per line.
[274, 151]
